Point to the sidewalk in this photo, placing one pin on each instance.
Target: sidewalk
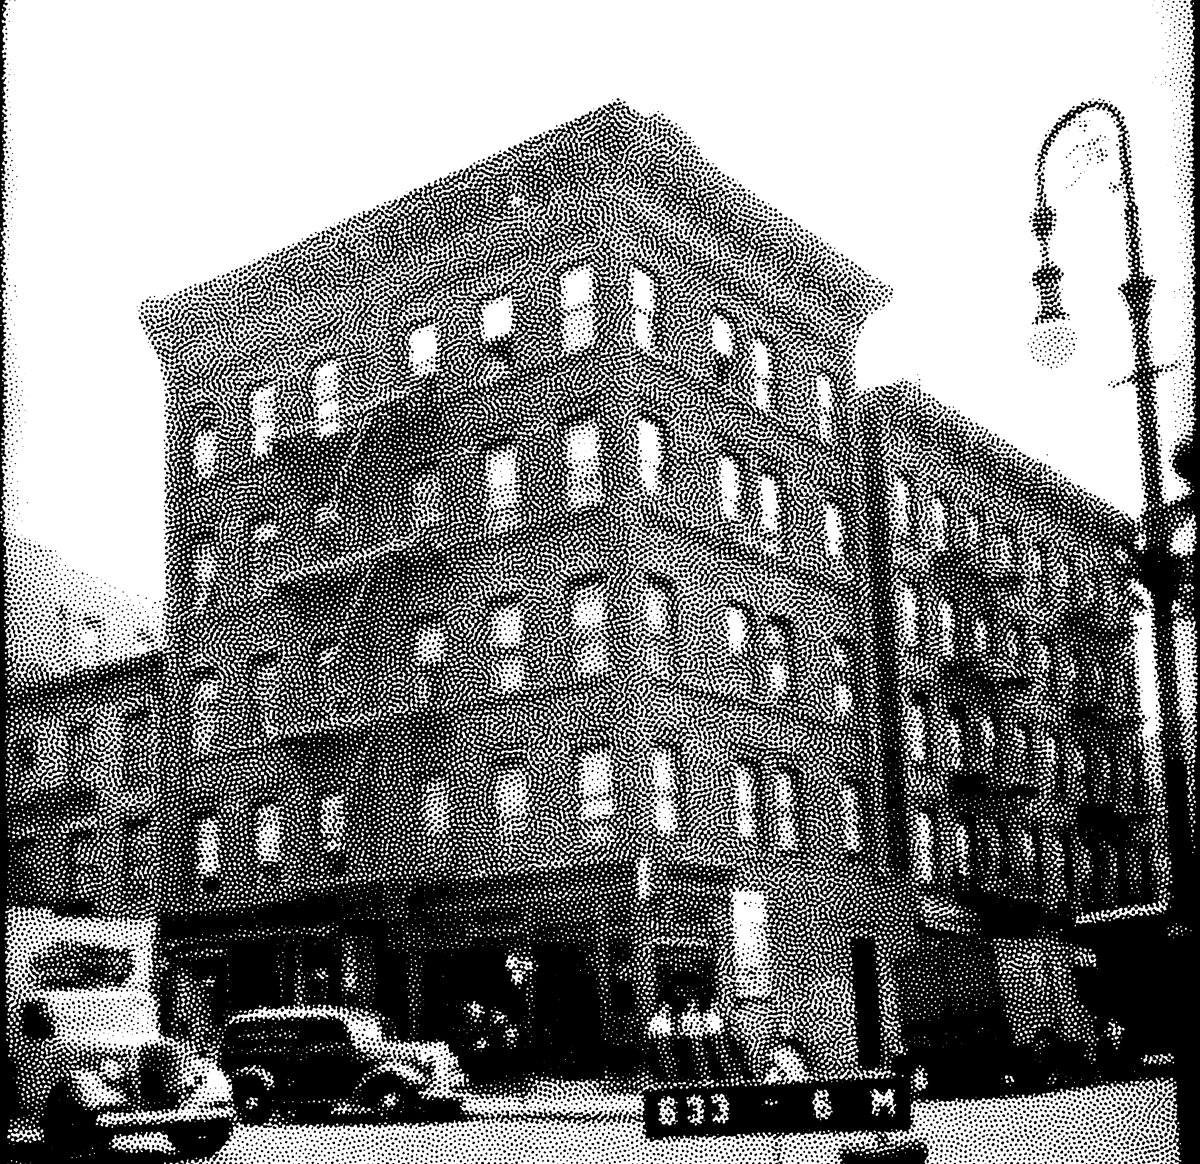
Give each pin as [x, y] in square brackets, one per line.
[557, 1099]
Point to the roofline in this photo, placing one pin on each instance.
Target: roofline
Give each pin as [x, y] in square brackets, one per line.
[908, 406]
[151, 660]
[651, 149]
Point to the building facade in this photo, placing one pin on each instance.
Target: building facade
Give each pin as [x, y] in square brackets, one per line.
[1018, 774]
[515, 617]
[84, 671]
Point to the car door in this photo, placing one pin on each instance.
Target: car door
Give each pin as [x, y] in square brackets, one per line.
[334, 1061]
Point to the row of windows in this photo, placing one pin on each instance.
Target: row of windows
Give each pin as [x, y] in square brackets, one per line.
[944, 526]
[577, 323]
[139, 747]
[760, 650]
[765, 801]
[739, 497]
[951, 635]
[972, 746]
[84, 867]
[1034, 862]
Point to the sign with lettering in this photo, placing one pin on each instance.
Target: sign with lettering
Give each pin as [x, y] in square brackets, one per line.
[869, 1103]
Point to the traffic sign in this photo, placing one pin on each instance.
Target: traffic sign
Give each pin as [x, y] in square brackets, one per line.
[867, 1103]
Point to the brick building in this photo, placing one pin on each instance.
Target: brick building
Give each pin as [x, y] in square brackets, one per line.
[513, 616]
[1017, 771]
[84, 674]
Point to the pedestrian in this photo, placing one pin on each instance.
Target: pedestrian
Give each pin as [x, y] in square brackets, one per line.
[661, 1034]
[693, 1053]
[717, 1046]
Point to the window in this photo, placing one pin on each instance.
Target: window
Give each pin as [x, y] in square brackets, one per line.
[762, 375]
[425, 498]
[954, 739]
[843, 678]
[327, 398]
[1019, 755]
[267, 836]
[576, 297]
[204, 572]
[208, 850]
[585, 485]
[436, 807]
[1037, 570]
[331, 824]
[1039, 656]
[722, 343]
[139, 747]
[204, 445]
[139, 860]
[205, 692]
[423, 350]
[1074, 771]
[265, 695]
[325, 684]
[1024, 858]
[594, 779]
[938, 523]
[729, 488]
[503, 485]
[264, 538]
[835, 547]
[650, 454]
[946, 630]
[971, 528]
[786, 782]
[746, 791]
[824, 389]
[262, 419]
[1051, 764]
[659, 609]
[852, 818]
[922, 851]
[901, 505]
[961, 853]
[79, 746]
[496, 326]
[429, 653]
[642, 298]
[83, 866]
[737, 630]
[907, 616]
[507, 633]
[768, 507]
[776, 658]
[981, 638]
[915, 729]
[589, 629]
[512, 796]
[664, 777]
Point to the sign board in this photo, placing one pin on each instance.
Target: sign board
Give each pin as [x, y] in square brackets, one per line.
[874, 1103]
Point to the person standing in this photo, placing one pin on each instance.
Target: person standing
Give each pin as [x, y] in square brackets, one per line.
[693, 1052]
[661, 1035]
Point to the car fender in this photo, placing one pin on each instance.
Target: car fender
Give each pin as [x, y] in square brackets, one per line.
[393, 1072]
[260, 1074]
[87, 1089]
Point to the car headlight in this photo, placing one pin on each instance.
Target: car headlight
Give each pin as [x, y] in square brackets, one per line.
[112, 1071]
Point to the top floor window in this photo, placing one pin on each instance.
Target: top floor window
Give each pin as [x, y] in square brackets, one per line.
[843, 678]
[824, 389]
[660, 626]
[331, 823]
[425, 497]
[503, 484]
[987, 743]
[923, 866]
[205, 693]
[981, 637]
[938, 523]
[776, 658]
[901, 505]
[327, 400]
[496, 326]
[265, 695]
[423, 350]
[267, 836]
[208, 848]
[762, 375]
[746, 799]
[768, 506]
[264, 537]
[585, 484]
[204, 444]
[729, 486]
[262, 419]
[507, 634]
[650, 454]
[1037, 569]
[664, 776]
[722, 344]
[737, 630]
[594, 777]
[907, 615]
[577, 303]
[915, 728]
[642, 295]
[204, 571]
[835, 544]
[946, 627]
[589, 624]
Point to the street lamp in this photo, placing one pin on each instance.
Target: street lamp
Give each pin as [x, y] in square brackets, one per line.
[1053, 347]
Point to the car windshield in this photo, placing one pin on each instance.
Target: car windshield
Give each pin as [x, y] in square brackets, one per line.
[366, 1028]
[76, 1013]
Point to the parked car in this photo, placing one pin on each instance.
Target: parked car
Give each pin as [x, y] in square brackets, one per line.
[324, 1057]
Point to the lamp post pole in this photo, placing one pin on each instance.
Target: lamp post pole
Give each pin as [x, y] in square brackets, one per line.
[1154, 559]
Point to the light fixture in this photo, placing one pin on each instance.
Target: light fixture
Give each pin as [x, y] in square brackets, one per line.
[1053, 341]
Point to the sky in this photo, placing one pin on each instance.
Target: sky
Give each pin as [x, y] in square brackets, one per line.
[151, 146]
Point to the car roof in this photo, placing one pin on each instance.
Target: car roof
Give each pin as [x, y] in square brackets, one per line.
[294, 1012]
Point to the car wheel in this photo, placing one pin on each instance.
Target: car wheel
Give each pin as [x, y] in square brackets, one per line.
[252, 1098]
[69, 1130]
[392, 1102]
[199, 1143]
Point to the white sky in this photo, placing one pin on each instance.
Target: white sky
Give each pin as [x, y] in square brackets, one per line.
[154, 145]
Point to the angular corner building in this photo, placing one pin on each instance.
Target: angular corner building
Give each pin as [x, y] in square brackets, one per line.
[522, 633]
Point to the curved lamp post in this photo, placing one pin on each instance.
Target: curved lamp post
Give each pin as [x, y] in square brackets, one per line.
[1153, 560]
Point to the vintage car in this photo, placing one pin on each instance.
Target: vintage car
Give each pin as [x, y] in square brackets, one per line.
[336, 1058]
[86, 1056]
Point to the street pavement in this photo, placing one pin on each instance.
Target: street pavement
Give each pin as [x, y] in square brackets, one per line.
[1130, 1123]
